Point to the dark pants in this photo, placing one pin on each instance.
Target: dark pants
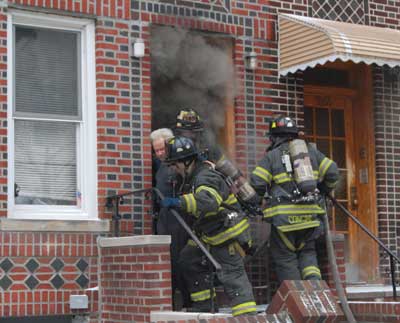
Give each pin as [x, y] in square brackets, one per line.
[197, 273]
[294, 255]
[168, 225]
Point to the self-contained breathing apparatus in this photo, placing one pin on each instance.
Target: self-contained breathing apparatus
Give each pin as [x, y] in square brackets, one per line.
[239, 186]
[297, 164]
[296, 161]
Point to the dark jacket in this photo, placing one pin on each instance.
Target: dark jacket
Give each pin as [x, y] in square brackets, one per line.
[271, 178]
[209, 200]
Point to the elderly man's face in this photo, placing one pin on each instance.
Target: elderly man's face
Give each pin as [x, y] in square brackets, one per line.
[159, 148]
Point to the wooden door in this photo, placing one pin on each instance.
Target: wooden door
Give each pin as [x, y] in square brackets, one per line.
[330, 118]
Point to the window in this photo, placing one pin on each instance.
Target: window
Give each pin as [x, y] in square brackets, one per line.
[51, 117]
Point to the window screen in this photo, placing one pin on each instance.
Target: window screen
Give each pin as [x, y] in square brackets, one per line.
[46, 72]
[45, 162]
[47, 94]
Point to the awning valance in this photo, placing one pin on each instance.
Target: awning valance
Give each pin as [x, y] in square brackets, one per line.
[305, 42]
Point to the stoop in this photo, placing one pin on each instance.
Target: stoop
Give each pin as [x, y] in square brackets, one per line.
[157, 316]
[182, 317]
[306, 301]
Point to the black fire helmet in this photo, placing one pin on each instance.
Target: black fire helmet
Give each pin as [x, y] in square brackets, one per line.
[282, 126]
[189, 119]
[180, 149]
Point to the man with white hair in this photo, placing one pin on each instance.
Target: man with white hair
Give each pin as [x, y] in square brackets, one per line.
[158, 138]
[168, 182]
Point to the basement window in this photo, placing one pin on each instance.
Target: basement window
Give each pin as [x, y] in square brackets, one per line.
[51, 117]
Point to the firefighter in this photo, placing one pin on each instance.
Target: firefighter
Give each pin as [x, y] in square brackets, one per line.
[219, 224]
[168, 182]
[189, 124]
[292, 200]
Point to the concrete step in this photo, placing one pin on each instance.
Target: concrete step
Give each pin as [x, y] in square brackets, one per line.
[373, 292]
[183, 315]
[170, 316]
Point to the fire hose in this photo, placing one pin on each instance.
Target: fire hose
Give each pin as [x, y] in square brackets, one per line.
[335, 272]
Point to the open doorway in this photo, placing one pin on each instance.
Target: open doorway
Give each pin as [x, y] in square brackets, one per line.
[191, 69]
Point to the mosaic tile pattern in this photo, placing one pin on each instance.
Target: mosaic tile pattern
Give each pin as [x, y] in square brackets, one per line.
[42, 271]
[343, 10]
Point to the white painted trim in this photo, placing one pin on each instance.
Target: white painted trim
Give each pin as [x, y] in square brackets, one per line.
[133, 241]
[356, 59]
[87, 146]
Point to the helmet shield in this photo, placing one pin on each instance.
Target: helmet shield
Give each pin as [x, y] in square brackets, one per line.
[282, 126]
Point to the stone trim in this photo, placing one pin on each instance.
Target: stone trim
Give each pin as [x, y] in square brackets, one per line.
[17, 225]
[131, 241]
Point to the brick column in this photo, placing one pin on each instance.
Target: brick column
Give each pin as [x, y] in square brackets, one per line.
[134, 278]
[306, 301]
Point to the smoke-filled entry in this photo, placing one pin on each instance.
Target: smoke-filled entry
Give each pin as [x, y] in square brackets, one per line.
[192, 69]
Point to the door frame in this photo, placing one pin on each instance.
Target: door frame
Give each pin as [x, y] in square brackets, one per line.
[361, 95]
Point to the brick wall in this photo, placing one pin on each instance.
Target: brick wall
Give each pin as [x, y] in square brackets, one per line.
[39, 271]
[124, 123]
[384, 13]
[134, 278]
[387, 114]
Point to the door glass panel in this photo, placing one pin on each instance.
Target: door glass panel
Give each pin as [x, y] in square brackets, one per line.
[341, 222]
[339, 153]
[308, 122]
[338, 123]
[329, 135]
[341, 187]
[323, 146]
[322, 122]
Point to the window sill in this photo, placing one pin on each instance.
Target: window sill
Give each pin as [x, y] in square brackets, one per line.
[55, 225]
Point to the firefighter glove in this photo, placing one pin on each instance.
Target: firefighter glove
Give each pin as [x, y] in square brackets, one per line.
[323, 188]
[169, 202]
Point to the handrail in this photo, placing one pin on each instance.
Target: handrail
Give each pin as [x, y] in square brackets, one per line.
[115, 200]
[375, 238]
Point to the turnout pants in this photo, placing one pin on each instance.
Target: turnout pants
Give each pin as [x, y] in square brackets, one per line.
[294, 255]
[196, 271]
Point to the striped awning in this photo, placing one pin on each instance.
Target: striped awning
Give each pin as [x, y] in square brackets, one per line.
[306, 42]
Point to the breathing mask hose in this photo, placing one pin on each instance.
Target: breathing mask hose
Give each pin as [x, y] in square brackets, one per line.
[335, 272]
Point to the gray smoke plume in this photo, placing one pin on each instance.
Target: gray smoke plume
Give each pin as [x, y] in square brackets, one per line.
[190, 70]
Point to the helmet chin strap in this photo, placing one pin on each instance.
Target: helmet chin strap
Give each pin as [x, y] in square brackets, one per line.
[187, 164]
[278, 140]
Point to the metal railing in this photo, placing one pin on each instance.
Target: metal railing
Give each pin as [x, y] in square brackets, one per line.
[392, 256]
[114, 201]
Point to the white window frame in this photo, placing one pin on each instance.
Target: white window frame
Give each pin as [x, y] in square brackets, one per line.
[86, 146]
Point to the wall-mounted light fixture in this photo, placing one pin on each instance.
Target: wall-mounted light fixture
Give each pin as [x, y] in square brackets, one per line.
[250, 60]
[138, 48]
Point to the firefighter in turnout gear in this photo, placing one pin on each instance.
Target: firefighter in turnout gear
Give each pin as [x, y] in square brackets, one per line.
[290, 179]
[219, 223]
[189, 124]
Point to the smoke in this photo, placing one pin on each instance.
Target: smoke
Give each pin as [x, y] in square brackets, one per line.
[190, 70]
